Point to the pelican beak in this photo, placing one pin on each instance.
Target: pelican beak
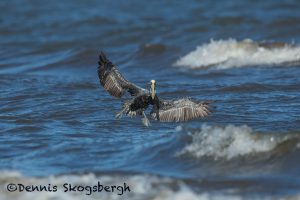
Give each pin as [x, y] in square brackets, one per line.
[152, 89]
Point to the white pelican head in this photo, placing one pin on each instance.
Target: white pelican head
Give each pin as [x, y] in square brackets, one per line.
[152, 88]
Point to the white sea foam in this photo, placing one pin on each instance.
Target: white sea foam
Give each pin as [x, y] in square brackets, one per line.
[232, 53]
[229, 142]
[143, 187]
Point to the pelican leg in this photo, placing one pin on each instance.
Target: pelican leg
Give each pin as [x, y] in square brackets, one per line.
[145, 120]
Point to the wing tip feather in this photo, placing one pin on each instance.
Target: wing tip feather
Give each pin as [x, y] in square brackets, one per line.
[102, 58]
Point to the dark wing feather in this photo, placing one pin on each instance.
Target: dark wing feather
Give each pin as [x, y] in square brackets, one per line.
[181, 110]
[113, 81]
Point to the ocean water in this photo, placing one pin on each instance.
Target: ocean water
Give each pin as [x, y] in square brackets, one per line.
[57, 122]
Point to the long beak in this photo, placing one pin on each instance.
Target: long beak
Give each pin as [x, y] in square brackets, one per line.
[152, 90]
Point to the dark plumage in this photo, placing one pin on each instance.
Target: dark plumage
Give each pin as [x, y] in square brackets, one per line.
[163, 110]
[113, 82]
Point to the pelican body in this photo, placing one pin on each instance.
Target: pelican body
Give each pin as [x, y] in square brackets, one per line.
[162, 110]
[143, 101]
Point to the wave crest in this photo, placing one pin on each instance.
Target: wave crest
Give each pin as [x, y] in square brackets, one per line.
[143, 187]
[223, 54]
[230, 142]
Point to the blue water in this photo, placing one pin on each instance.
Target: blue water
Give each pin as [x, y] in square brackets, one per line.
[56, 119]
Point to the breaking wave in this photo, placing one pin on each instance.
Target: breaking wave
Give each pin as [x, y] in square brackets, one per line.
[234, 141]
[223, 54]
[143, 187]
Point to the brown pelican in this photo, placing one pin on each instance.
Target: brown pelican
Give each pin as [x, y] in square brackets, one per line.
[163, 110]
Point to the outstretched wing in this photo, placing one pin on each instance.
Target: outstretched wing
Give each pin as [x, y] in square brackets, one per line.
[181, 110]
[113, 81]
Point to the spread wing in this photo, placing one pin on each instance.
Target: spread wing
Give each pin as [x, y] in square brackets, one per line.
[181, 110]
[113, 81]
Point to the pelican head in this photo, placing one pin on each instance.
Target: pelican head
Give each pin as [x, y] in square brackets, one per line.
[152, 88]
